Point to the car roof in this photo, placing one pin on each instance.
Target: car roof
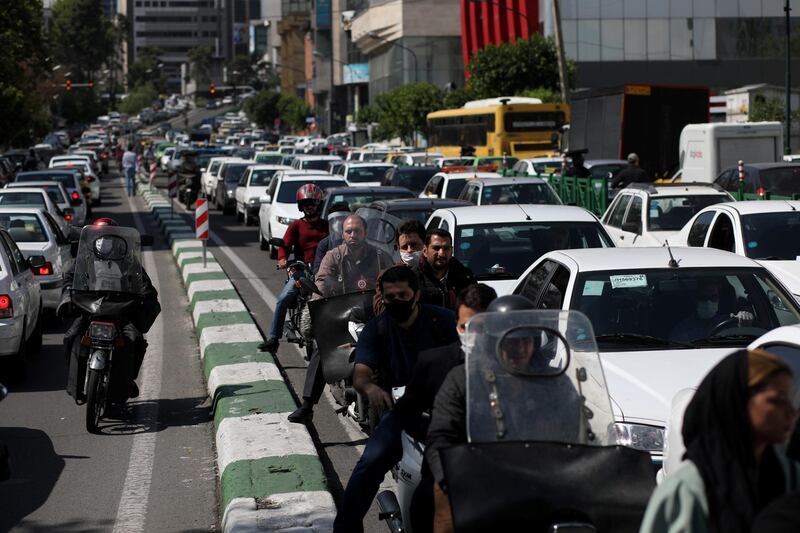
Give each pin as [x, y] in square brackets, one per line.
[462, 175]
[509, 181]
[763, 206]
[763, 166]
[46, 172]
[23, 210]
[592, 162]
[421, 203]
[491, 214]
[627, 258]
[676, 189]
[416, 168]
[261, 166]
[360, 190]
[24, 189]
[38, 183]
[316, 176]
[368, 164]
[308, 157]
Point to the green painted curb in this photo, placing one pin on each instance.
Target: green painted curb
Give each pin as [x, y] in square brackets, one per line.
[203, 276]
[177, 253]
[194, 260]
[209, 320]
[204, 296]
[259, 478]
[242, 399]
[223, 359]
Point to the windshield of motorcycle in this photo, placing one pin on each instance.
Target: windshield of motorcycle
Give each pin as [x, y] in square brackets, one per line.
[536, 376]
[381, 230]
[109, 260]
[335, 223]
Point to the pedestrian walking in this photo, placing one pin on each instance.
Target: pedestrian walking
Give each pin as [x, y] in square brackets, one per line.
[129, 170]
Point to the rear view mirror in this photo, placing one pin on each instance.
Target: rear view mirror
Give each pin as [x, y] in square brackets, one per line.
[266, 199]
[36, 261]
[533, 351]
[147, 240]
[632, 227]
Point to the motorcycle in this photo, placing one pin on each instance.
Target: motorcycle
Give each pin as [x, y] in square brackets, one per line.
[108, 285]
[536, 402]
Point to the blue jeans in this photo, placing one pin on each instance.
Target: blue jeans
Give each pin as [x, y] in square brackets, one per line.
[287, 299]
[384, 449]
[130, 180]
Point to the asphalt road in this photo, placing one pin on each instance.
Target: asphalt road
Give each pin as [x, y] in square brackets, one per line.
[339, 440]
[196, 116]
[153, 468]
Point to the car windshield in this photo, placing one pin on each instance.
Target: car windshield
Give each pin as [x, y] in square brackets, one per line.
[412, 214]
[55, 194]
[671, 213]
[288, 189]
[261, 177]
[269, 159]
[413, 179]
[233, 173]
[34, 199]
[772, 235]
[519, 193]
[315, 164]
[66, 180]
[681, 307]
[364, 199]
[23, 227]
[547, 167]
[374, 156]
[781, 181]
[366, 174]
[504, 251]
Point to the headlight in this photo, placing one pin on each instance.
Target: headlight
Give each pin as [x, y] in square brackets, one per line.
[253, 201]
[640, 437]
[229, 193]
[285, 220]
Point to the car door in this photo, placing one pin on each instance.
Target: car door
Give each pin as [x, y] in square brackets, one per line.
[26, 287]
[537, 287]
[722, 235]
[241, 189]
[631, 229]
[615, 215]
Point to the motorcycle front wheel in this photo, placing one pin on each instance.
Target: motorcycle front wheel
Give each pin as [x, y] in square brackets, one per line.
[95, 400]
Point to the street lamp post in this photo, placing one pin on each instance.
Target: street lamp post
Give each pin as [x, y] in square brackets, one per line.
[788, 148]
[377, 37]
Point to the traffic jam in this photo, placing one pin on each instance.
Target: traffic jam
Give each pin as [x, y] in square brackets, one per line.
[516, 328]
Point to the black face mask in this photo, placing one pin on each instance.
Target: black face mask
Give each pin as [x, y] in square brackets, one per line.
[399, 310]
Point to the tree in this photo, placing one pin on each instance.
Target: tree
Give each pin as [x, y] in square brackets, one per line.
[145, 70]
[547, 96]
[457, 98]
[293, 111]
[262, 108]
[241, 71]
[511, 68]
[403, 112]
[200, 60]
[82, 36]
[767, 109]
[142, 96]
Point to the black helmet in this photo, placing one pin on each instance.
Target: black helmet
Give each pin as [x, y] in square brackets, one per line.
[509, 302]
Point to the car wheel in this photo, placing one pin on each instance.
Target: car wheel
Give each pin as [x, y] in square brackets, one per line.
[262, 241]
[240, 217]
[35, 340]
[273, 252]
[245, 219]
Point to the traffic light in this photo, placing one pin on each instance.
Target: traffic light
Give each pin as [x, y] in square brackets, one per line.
[213, 88]
[91, 84]
[68, 85]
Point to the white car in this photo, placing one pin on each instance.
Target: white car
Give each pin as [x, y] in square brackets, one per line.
[450, 184]
[70, 179]
[416, 158]
[767, 231]
[650, 214]
[268, 158]
[37, 233]
[165, 158]
[253, 185]
[92, 179]
[58, 194]
[20, 303]
[364, 174]
[643, 304]
[499, 190]
[279, 206]
[212, 175]
[32, 197]
[314, 162]
[499, 242]
[538, 166]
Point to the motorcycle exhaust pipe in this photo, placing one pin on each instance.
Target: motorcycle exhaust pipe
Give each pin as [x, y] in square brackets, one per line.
[390, 511]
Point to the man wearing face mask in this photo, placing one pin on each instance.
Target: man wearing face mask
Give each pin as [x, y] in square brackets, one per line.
[441, 276]
[411, 241]
[707, 315]
[388, 347]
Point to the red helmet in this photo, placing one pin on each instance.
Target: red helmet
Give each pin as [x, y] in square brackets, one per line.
[307, 192]
[105, 221]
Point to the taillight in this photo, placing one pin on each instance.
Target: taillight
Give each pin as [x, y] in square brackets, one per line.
[44, 270]
[75, 195]
[6, 307]
[761, 191]
[67, 217]
[103, 156]
[90, 178]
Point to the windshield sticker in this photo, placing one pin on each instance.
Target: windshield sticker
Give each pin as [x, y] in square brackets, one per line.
[628, 281]
[752, 244]
[593, 288]
[465, 245]
[467, 233]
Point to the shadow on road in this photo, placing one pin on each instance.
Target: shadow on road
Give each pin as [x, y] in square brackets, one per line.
[150, 416]
[35, 469]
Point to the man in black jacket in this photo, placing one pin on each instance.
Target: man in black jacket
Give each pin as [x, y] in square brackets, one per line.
[633, 173]
[441, 276]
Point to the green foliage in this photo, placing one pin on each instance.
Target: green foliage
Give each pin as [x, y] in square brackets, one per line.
[82, 37]
[200, 59]
[293, 111]
[139, 98]
[547, 96]
[145, 70]
[241, 71]
[368, 115]
[457, 98]
[511, 68]
[403, 111]
[262, 108]
[768, 109]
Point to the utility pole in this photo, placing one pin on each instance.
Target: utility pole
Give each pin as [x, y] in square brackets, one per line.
[788, 148]
[562, 63]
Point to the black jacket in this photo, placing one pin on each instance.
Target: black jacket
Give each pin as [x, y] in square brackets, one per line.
[628, 175]
[428, 375]
[434, 292]
[448, 425]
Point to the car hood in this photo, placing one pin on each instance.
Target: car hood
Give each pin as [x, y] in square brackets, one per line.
[787, 272]
[643, 383]
[255, 192]
[285, 210]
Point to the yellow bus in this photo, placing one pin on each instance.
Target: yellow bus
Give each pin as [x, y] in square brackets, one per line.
[514, 126]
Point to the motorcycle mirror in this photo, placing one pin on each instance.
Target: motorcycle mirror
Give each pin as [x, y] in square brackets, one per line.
[533, 351]
[308, 285]
[147, 240]
[3, 392]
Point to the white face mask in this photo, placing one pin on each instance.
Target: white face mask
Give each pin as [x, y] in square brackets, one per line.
[706, 309]
[410, 258]
[466, 342]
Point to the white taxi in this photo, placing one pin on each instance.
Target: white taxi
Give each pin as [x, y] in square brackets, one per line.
[644, 214]
[20, 303]
[364, 174]
[662, 318]
[450, 184]
[252, 186]
[499, 191]
[767, 231]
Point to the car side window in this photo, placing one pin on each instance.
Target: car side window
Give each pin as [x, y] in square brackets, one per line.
[699, 229]
[54, 229]
[439, 191]
[14, 254]
[556, 290]
[534, 282]
[619, 211]
[7, 252]
[273, 186]
[634, 215]
[434, 223]
[245, 178]
[722, 236]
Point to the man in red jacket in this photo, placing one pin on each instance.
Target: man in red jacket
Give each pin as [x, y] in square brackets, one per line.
[302, 236]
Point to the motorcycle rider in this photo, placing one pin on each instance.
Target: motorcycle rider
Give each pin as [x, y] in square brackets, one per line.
[441, 276]
[138, 322]
[302, 236]
[334, 233]
[386, 353]
[351, 266]
[189, 174]
[448, 425]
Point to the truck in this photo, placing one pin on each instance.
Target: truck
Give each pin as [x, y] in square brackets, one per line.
[644, 119]
[705, 150]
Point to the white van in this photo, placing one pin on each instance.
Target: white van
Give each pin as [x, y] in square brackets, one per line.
[705, 150]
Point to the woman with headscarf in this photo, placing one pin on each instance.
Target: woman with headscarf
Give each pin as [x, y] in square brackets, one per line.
[741, 410]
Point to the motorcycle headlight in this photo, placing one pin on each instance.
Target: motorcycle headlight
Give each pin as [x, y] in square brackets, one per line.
[229, 193]
[102, 331]
[640, 437]
[285, 220]
[254, 200]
